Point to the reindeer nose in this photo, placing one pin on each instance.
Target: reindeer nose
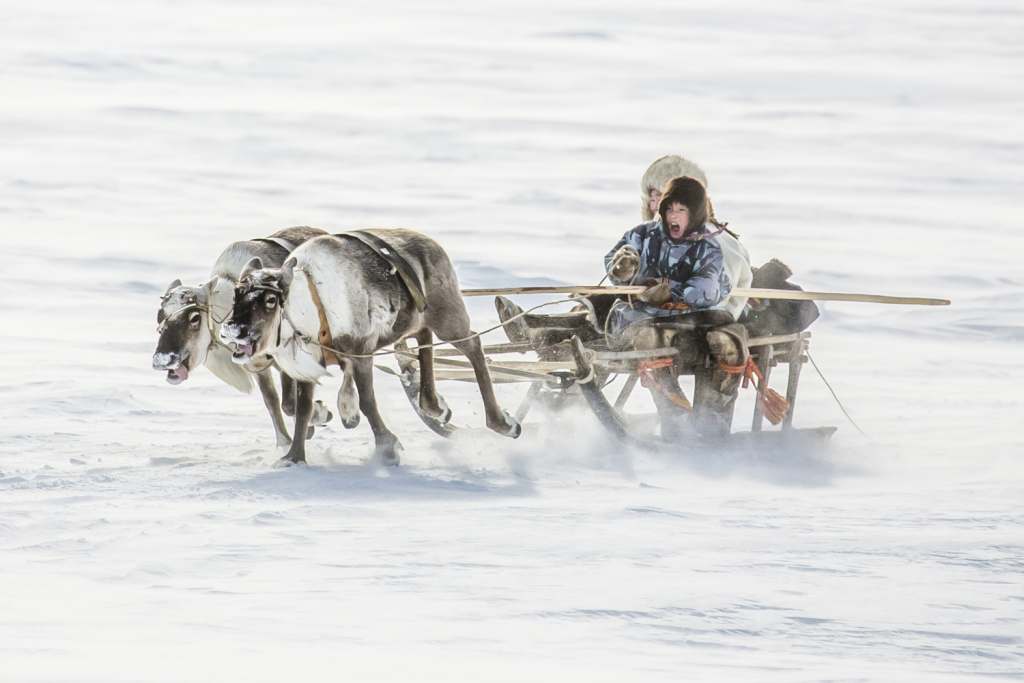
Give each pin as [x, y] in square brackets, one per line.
[166, 361]
[230, 331]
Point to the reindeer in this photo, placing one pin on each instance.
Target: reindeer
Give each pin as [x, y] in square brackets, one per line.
[337, 297]
[188, 318]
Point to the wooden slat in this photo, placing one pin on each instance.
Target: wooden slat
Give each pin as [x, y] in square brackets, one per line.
[772, 339]
[741, 292]
[534, 365]
[637, 355]
[489, 349]
[460, 375]
[451, 362]
[568, 289]
[796, 363]
[764, 363]
[797, 295]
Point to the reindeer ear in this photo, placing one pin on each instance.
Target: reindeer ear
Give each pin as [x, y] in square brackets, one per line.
[204, 290]
[176, 283]
[255, 263]
[287, 273]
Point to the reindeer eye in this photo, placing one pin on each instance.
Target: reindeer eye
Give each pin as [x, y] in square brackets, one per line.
[194, 319]
[270, 300]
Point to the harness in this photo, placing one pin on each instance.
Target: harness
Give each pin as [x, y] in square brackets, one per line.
[400, 266]
[191, 302]
[287, 245]
[328, 356]
[334, 356]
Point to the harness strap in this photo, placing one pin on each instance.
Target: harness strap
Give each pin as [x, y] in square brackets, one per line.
[287, 245]
[396, 260]
[324, 335]
[211, 328]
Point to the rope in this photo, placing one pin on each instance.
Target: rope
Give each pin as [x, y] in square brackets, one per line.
[834, 396]
[610, 268]
[392, 352]
[645, 369]
[772, 403]
[723, 226]
[475, 335]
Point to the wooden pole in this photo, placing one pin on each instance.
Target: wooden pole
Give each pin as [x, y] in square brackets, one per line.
[764, 363]
[748, 292]
[796, 363]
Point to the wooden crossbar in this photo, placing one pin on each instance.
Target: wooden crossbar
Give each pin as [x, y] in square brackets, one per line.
[742, 292]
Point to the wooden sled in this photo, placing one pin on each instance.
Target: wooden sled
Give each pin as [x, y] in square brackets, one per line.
[572, 372]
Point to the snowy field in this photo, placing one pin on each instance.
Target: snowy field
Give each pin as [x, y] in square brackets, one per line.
[144, 535]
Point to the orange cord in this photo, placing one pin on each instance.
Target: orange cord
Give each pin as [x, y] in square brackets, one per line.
[774, 405]
[645, 369]
[674, 306]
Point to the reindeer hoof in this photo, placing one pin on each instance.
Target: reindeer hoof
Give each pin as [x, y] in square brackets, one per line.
[348, 408]
[446, 412]
[283, 442]
[390, 455]
[509, 426]
[289, 461]
[321, 414]
[442, 415]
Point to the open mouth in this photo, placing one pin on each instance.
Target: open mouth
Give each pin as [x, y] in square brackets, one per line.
[178, 374]
[242, 351]
[675, 229]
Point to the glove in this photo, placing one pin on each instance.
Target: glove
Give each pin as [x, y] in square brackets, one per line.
[625, 264]
[657, 295]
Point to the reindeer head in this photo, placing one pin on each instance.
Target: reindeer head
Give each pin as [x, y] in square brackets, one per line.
[253, 328]
[184, 330]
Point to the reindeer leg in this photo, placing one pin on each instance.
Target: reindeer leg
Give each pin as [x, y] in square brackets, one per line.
[451, 322]
[499, 420]
[387, 446]
[287, 395]
[303, 411]
[430, 403]
[265, 380]
[348, 402]
[321, 413]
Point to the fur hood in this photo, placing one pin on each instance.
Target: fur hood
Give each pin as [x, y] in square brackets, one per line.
[660, 172]
[690, 193]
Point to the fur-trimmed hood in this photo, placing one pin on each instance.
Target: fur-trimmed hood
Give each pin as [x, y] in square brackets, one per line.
[660, 172]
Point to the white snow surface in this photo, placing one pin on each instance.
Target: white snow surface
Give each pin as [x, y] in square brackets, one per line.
[145, 535]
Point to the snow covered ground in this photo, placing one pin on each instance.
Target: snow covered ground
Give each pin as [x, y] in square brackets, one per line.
[874, 147]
